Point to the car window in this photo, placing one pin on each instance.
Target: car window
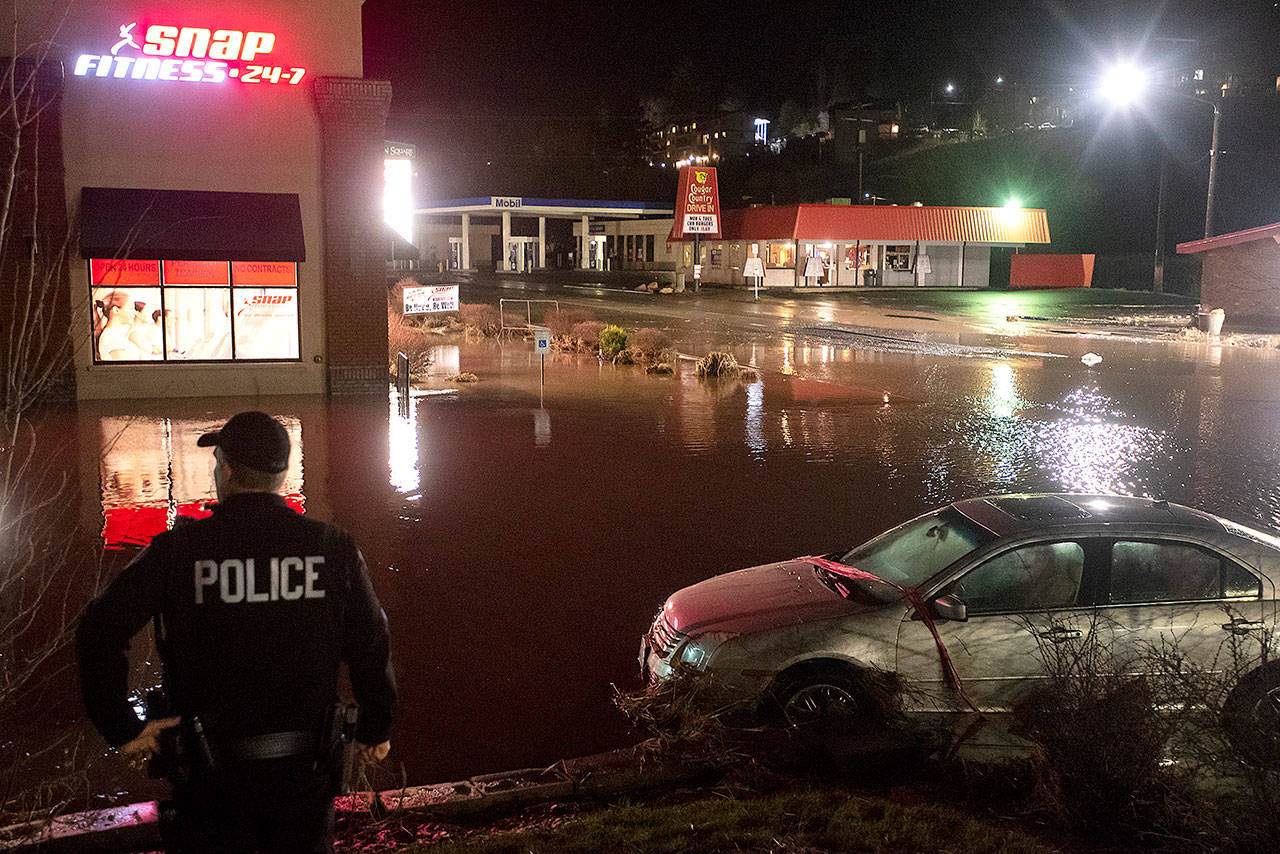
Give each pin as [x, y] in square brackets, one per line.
[1030, 578]
[1173, 572]
[915, 551]
[1238, 582]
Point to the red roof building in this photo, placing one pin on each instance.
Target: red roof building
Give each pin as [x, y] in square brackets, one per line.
[1240, 274]
[843, 246]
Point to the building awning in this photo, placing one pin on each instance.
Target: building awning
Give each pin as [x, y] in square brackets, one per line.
[519, 206]
[888, 224]
[190, 225]
[1249, 235]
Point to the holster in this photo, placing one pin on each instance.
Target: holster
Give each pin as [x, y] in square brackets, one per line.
[338, 749]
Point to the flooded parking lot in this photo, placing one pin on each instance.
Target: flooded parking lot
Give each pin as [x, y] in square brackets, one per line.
[522, 536]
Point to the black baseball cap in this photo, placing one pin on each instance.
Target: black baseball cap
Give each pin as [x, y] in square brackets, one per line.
[252, 439]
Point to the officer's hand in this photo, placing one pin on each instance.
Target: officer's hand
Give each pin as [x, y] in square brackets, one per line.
[374, 752]
[148, 741]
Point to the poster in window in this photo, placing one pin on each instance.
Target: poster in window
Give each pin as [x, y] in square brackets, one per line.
[126, 324]
[198, 324]
[266, 323]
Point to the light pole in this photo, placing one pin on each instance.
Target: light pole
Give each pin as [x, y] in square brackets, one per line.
[1124, 83]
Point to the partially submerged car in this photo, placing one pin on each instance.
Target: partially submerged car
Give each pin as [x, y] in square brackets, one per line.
[965, 603]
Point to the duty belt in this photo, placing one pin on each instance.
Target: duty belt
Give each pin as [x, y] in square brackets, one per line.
[272, 745]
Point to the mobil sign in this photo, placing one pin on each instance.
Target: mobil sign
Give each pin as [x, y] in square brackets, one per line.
[697, 204]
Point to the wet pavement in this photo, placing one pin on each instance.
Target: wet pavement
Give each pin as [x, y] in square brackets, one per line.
[522, 536]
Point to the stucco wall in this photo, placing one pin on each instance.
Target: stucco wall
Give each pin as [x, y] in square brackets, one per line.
[227, 136]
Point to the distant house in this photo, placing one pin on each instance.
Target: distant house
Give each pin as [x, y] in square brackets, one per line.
[1241, 275]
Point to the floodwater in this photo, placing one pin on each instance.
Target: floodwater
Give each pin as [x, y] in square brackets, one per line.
[522, 536]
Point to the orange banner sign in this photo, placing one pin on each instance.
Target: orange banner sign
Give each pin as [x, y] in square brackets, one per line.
[264, 273]
[124, 271]
[197, 273]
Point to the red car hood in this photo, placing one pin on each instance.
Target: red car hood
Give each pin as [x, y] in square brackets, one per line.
[757, 599]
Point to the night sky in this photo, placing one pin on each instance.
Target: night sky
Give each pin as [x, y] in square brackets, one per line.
[531, 58]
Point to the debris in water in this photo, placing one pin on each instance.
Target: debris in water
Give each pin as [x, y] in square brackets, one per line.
[1091, 359]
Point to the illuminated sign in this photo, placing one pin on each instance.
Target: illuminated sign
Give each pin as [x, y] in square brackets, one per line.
[399, 150]
[507, 201]
[263, 273]
[697, 205]
[124, 271]
[188, 55]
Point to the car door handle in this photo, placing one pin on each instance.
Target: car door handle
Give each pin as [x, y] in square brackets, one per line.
[1058, 634]
[1241, 626]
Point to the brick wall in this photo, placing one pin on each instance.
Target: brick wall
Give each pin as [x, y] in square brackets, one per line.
[36, 249]
[353, 114]
[1244, 281]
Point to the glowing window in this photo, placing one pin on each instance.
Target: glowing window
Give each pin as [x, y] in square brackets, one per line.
[193, 310]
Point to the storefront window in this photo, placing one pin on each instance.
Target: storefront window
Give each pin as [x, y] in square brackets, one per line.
[781, 255]
[717, 256]
[194, 310]
[125, 324]
[897, 258]
[856, 256]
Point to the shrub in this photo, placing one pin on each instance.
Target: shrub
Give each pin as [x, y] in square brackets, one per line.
[649, 342]
[718, 364]
[395, 297]
[415, 342]
[662, 368]
[481, 317]
[613, 340]
[586, 334]
[561, 322]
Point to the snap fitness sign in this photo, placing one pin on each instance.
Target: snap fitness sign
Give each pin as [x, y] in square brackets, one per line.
[188, 55]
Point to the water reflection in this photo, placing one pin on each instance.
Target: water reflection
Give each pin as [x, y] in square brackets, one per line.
[1002, 396]
[402, 443]
[756, 443]
[541, 428]
[151, 471]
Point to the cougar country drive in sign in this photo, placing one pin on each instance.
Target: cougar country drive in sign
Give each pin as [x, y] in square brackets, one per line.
[697, 204]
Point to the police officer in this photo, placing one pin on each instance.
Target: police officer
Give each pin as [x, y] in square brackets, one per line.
[255, 607]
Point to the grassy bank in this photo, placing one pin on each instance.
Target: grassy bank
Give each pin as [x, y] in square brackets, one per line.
[807, 819]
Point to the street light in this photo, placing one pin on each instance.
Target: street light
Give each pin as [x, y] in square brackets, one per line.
[1124, 83]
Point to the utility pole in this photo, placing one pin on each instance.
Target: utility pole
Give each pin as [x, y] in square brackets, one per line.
[1157, 284]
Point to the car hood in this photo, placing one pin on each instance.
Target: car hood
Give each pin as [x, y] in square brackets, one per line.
[757, 599]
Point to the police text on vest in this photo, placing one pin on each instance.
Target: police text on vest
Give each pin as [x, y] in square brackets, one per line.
[236, 580]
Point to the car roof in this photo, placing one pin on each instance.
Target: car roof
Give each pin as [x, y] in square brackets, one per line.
[1011, 515]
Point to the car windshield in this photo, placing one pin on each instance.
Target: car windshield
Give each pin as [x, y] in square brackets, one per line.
[915, 551]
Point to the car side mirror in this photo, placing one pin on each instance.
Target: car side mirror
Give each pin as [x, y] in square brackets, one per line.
[950, 608]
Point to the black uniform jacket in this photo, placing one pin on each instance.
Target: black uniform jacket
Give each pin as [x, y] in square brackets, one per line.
[257, 605]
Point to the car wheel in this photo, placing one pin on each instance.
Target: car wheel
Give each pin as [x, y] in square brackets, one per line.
[1251, 715]
[820, 700]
